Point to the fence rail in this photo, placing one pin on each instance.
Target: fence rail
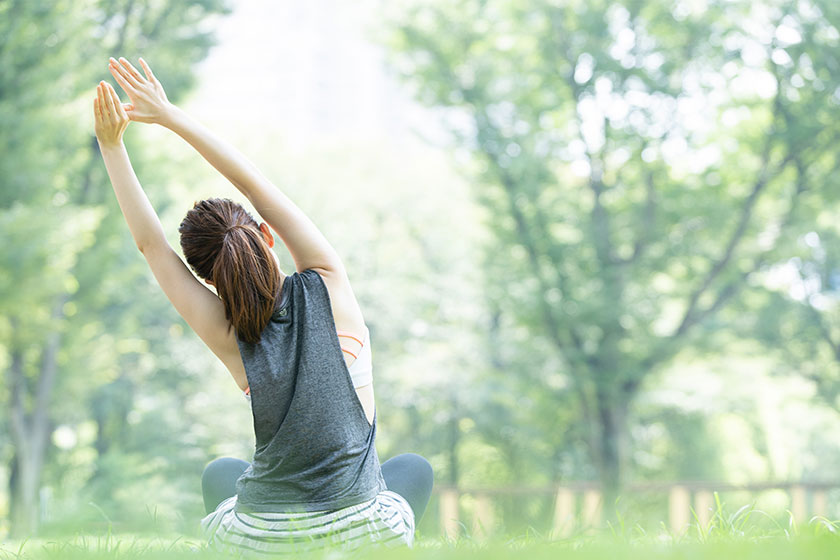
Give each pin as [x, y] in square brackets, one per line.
[685, 501]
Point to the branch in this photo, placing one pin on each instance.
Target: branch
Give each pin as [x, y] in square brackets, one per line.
[164, 13]
[765, 176]
[524, 235]
[733, 287]
[645, 236]
[600, 217]
[826, 333]
[552, 249]
[689, 319]
[571, 348]
[126, 13]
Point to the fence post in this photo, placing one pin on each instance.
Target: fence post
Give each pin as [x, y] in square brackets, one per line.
[820, 505]
[703, 503]
[798, 506]
[679, 508]
[483, 521]
[592, 508]
[449, 522]
[564, 513]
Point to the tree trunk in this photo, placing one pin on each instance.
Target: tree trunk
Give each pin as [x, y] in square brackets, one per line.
[24, 519]
[612, 424]
[11, 482]
[31, 428]
[454, 438]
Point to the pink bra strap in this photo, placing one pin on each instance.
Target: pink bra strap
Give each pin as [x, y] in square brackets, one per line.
[346, 334]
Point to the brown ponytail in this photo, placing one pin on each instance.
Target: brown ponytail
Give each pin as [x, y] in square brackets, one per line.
[223, 243]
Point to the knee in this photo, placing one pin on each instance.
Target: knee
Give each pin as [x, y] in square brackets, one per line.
[220, 468]
[418, 465]
[424, 468]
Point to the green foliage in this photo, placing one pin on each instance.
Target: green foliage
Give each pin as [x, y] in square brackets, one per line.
[62, 229]
[640, 164]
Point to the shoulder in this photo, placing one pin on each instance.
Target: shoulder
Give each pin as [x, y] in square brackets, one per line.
[310, 285]
[310, 275]
[334, 284]
[304, 279]
[311, 279]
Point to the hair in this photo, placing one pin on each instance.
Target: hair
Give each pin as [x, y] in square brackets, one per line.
[223, 243]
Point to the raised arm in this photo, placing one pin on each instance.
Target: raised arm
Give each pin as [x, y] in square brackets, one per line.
[307, 245]
[110, 124]
[200, 307]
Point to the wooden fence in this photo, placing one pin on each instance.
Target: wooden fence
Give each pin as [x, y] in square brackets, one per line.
[579, 506]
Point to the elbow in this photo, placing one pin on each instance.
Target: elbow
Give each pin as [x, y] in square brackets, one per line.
[147, 246]
[151, 240]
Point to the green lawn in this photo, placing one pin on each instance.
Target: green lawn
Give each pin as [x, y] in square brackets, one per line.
[769, 548]
[743, 535]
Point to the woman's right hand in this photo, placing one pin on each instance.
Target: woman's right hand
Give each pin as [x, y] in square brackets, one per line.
[148, 99]
[110, 119]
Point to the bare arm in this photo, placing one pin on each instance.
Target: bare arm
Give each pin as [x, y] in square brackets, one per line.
[305, 242]
[141, 218]
[200, 307]
[307, 245]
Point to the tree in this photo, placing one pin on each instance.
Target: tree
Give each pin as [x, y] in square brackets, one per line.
[799, 314]
[55, 193]
[638, 162]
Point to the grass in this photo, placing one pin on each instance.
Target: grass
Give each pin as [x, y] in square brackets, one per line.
[765, 548]
[772, 548]
[745, 534]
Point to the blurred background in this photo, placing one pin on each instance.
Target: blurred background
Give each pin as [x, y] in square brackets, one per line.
[594, 241]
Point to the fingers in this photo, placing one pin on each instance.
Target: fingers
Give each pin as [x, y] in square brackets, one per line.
[132, 71]
[149, 75]
[119, 111]
[115, 72]
[109, 102]
[100, 98]
[129, 111]
[110, 116]
[118, 69]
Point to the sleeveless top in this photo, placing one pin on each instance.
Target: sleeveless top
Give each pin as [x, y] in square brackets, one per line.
[314, 445]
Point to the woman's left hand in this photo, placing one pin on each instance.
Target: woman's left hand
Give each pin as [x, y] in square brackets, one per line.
[111, 118]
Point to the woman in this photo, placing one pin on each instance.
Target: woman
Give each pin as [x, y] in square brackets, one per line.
[296, 345]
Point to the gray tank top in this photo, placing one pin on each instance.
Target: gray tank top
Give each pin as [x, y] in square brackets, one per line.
[314, 446]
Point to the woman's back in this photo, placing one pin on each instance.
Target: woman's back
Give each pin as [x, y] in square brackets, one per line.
[314, 445]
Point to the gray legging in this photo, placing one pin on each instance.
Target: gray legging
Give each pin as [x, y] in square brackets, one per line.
[409, 475]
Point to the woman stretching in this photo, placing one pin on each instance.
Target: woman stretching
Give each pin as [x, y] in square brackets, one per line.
[296, 345]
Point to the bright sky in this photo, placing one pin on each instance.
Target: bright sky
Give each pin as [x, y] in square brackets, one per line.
[308, 67]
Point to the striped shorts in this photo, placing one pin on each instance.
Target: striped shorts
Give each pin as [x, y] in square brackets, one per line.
[386, 520]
